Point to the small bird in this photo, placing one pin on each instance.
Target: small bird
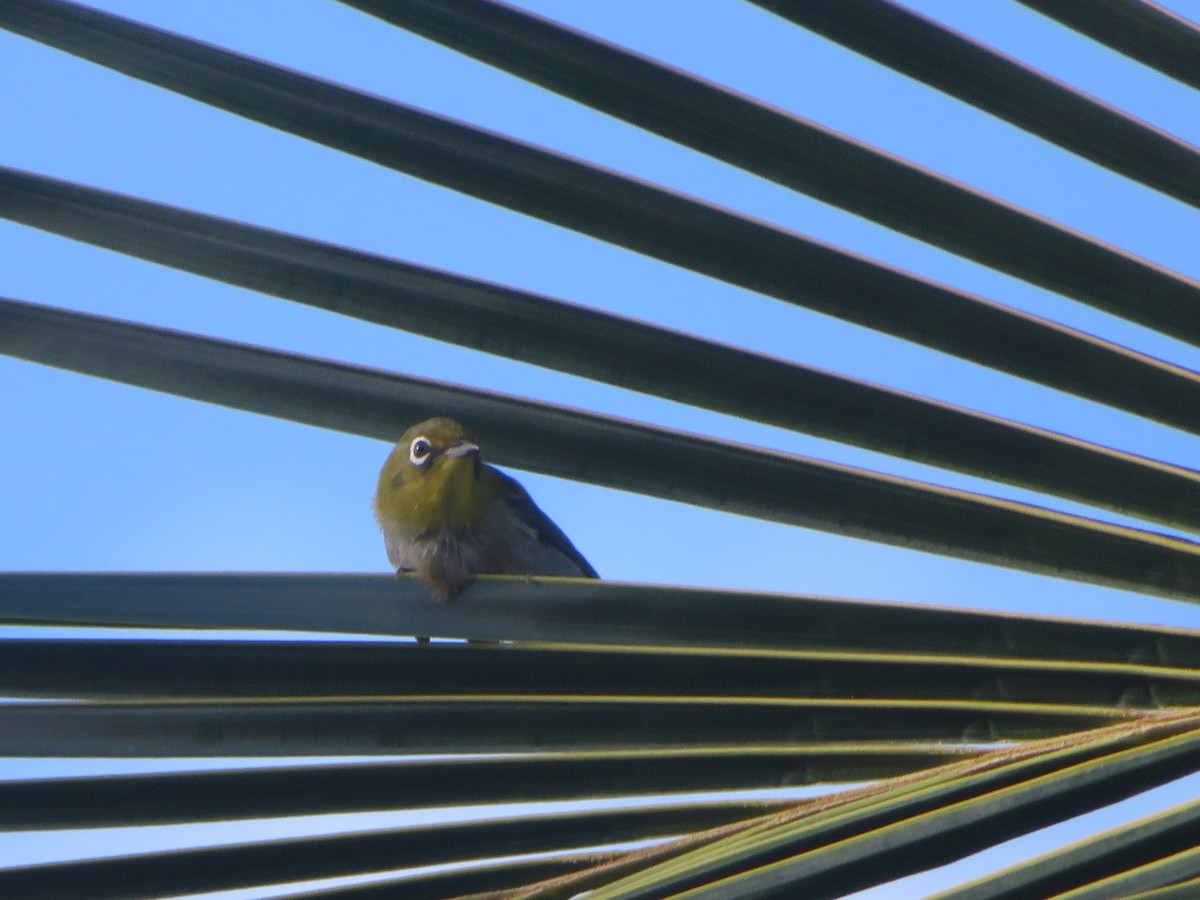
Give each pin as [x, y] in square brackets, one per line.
[448, 516]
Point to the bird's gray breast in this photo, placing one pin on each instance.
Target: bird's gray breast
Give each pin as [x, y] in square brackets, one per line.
[500, 545]
[457, 554]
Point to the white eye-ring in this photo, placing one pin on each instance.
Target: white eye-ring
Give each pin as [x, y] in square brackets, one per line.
[419, 451]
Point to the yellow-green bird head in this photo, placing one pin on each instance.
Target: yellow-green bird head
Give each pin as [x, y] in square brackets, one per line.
[430, 482]
[447, 516]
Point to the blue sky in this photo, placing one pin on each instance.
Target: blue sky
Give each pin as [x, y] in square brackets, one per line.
[99, 476]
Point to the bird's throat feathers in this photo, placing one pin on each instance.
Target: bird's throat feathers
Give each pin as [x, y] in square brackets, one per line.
[451, 498]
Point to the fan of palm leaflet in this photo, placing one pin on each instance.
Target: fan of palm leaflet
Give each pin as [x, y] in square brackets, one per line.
[955, 730]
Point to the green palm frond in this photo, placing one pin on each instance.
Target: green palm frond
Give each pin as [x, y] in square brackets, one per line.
[623, 740]
[1079, 715]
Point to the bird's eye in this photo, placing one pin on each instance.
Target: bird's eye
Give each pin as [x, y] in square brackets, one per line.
[419, 451]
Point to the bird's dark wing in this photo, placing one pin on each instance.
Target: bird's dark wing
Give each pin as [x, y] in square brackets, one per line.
[530, 514]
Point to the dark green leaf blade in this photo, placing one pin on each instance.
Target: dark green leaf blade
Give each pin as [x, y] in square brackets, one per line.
[631, 354]
[624, 211]
[566, 442]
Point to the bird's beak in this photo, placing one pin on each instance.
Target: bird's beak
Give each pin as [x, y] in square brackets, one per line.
[462, 448]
